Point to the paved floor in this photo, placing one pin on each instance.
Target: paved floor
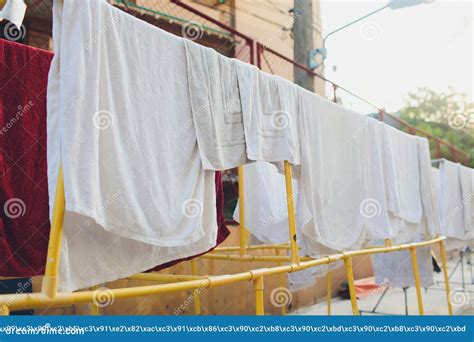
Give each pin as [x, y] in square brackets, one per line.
[393, 303]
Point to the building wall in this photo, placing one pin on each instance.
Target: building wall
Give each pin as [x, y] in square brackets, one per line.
[270, 22]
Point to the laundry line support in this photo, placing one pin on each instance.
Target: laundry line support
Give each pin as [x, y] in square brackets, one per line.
[295, 258]
[197, 299]
[281, 283]
[350, 282]
[26, 301]
[50, 279]
[95, 310]
[442, 251]
[242, 234]
[416, 276]
[259, 301]
[329, 291]
[4, 310]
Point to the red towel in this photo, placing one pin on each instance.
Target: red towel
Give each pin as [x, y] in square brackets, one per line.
[24, 225]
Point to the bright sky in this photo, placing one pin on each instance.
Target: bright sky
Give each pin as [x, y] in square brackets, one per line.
[395, 51]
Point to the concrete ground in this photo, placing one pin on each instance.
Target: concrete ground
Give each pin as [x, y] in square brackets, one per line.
[393, 303]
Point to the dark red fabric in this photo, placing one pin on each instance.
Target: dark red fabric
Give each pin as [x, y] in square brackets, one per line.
[24, 232]
[24, 224]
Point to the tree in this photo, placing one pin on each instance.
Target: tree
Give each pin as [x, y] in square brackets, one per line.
[448, 116]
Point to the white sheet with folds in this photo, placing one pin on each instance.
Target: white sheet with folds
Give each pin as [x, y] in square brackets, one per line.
[118, 103]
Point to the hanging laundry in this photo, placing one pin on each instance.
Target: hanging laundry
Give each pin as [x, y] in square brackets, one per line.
[402, 148]
[396, 269]
[25, 75]
[266, 215]
[222, 233]
[270, 115]
[467, 194]
[431, 220]
[266, 209]
[455, 204]
[334, 171]
[24, 225]
[379, 226]
[216, 107]
[452, 215]
[136, 193]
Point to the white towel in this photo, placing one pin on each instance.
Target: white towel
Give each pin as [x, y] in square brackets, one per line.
[452, 214]
[270, 113]
[136, 195]
[217, 112]
[431, 221]
[396, 268]
[467, 195]
[334, 170]
[378, 182]
[266, 210]
[402, 150]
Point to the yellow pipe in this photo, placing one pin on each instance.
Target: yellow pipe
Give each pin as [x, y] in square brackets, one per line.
[446, 276]
[41, 300]
[416, 275]
[329, 291]
[350, 282]
[295, 258]
[242, 211]
[95, 310]
[258, 247]
[197, 300]
[259, 302]
[50, 279]
[164, 278]
[281, 284]
[4, 310]
[252, 258]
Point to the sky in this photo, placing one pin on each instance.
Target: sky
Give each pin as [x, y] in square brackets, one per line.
[395, 51]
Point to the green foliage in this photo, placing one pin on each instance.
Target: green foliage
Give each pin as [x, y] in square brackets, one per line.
[448, 116]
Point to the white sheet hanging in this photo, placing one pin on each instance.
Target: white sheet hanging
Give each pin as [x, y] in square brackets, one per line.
[270, 112]
[452, 214]
[334, 173]
[467, 195]
[402, 149]
[396, 269]
[136, 194]
[266, 210]
[431, 220]
[217, 112]
[379, 226]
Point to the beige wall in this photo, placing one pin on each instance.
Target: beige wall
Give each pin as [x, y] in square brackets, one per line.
[270, 23]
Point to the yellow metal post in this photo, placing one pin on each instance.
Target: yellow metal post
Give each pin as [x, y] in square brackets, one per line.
[50, 279]
[4, 310]
[281, 283]
[329, 291]
[242, 232]
[259, 303]
[295, 258]
[95, 310]
[446, 276]
[197, 300]
[416, 275]
[350, 282]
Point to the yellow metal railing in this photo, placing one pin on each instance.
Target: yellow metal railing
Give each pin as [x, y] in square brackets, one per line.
[50, 297]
